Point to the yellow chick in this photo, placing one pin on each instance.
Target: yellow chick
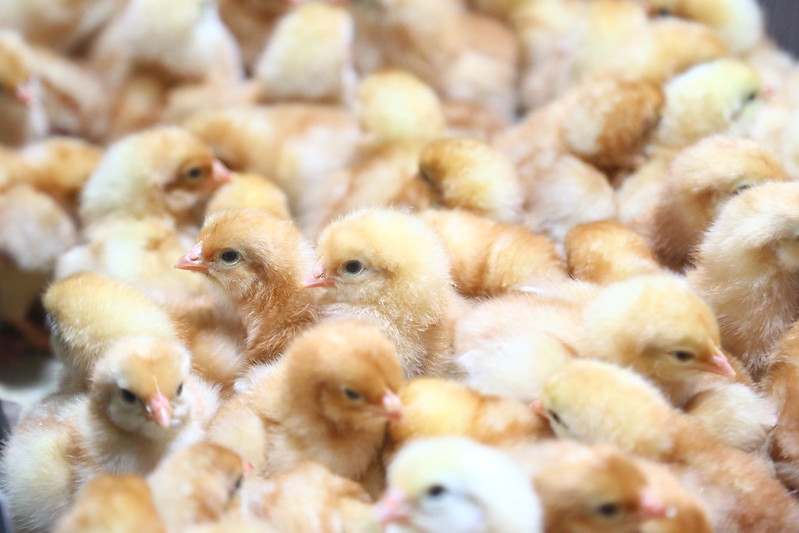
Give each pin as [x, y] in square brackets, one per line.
[392, 270]
[456, 485]
[248, 190]
[21, 106]
[309, 57]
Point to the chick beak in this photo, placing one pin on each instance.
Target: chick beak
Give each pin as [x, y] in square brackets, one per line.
[24, 94]
[538, 408]
[220, 173]
[318, 278]
[392, 508]
[193, 260]
[159, 410]
[392, 407]
[720, 365]
[651, 508]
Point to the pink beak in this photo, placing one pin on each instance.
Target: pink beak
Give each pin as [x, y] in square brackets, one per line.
[193, 260]
[538, 408]
[392, 507]
[652, 508]
[317, 278]
[392, 407]
[24, 94]
[159, 410]
[221, 174]
[720, 365]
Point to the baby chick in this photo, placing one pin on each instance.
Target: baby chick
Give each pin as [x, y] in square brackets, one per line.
[746, 270]
[122, 504]
[249, 190]
[456, 485]
[260, 261]
[699, 181]
[390, 269]
[328, 399]
[21, 106]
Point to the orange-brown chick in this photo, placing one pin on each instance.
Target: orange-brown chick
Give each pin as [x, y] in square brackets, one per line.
[247, 190]
[490, 258]
[328, 400]
[606, 251]
[260, 262]
[392, 270]
[21, 100]
[122, 504]
[746, 270]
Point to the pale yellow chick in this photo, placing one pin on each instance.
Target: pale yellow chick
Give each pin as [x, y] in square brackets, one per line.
[248, 190]
[21, 105]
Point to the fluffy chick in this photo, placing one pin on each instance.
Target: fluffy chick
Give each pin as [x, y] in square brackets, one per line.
[454, 484]
[309, 57]
[390, 269]
[250, 190]
[21, 104]
[595, 402]
[122, 504]
[328, 400]
[260, 261]
[490, 258]
[746, 270]
[197, 484]
[162, 172]
[699, 182]
[606, 251]
[473, 176]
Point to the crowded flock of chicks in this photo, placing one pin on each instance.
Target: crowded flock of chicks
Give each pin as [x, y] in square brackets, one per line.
[402, 265]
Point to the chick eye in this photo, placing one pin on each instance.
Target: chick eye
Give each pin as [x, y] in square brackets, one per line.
[683, 356]
[663, 12]
[180, 390]
[555, 417]
[436, 490]
[237, 484]
[230, 256]
[194, 173]
[351, 394]
[425, 177]
[127, 396]
[740, 189]
[608, 509]
[751, 97]
[352, 267]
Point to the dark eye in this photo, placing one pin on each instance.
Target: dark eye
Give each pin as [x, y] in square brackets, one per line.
[751, 96]
[684, 356]
[194, 173]
[436, 490]
[180, 390]
[608, 509]
[230, 256]
[351, 394]
[237, 484]
[127, 396]
[740, 189]
[425, 177]
[555, 417]
[352, 267]
[663, 12]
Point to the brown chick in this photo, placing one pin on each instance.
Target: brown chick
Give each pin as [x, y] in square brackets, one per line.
[390, 269]
[122, 504]
[699, 181]
[328, 400]
[597, 403]
[197, 484]
[247, 190]
[329, 503]
[606, 251]
[21, 106]
[471, 175]
[746, 270]
[309, 57]
[260, 262]
[490, 258]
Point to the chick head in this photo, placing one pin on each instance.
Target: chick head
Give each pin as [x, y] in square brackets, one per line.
[472, 175]
[384, 259]
[16, 82]
[454, 484]
[597, 402]
[163, 171]
[139, 385]
[396, 107]
[720, 96]
[659, 327]
[347, 372]
[249, 250]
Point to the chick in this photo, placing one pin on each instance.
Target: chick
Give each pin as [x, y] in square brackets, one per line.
[699, 181]
[490, 258]
[122, 504]
[260, 261]
[471, 175]
[249, 190]
[21, 106]
[746, 270]
[454, 484]
[197, 484]
[173, 176]
[606, 251]
[309, 57]
[328, 400]
[595, 402]
[390, 269]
